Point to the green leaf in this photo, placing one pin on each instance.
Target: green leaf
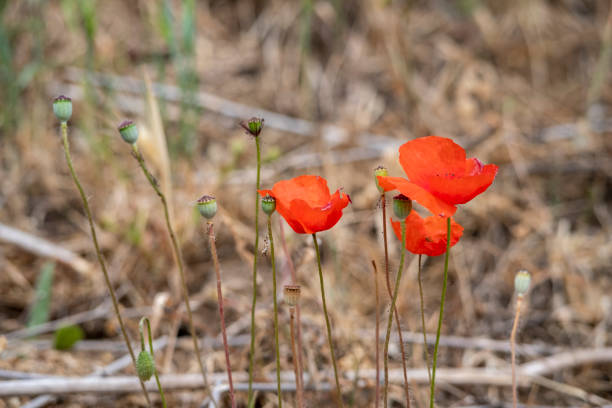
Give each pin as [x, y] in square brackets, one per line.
[67, 336]
[39, 313]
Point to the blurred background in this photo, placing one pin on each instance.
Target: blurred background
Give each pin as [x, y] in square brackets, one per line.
[341, 85]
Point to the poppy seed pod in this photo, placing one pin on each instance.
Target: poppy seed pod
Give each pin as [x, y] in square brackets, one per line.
[382, 172]
[253, 126]
[402, 206]
[128, 131]
[145, 365]
[207, 205]
[292, 294]
[62, 108]
[522, 280]
[268, 204]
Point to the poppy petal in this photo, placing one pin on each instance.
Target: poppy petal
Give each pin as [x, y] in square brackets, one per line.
[426, 156]
[462, 189]
[419, 194]
[427, 236]
[312, 189]
[315, 219]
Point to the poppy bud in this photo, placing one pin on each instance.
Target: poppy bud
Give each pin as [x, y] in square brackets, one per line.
[207, 205]
[145, 365]
[253, 126]
[62, 108]
[292, 294]
[402, 206]
[128, 131]
[268, 204]
[521, 282]
[380, 171]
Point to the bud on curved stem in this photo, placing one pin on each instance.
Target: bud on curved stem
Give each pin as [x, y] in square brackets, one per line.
[147, 365]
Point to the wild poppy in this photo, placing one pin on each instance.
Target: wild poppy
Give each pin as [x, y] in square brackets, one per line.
[427, 236]
[439, 174]
[306, 203]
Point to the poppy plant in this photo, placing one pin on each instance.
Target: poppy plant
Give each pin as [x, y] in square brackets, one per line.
[308, 207]
[427, 236]
[306, 203]
[439, 174]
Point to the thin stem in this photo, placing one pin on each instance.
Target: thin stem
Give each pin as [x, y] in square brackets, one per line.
[251, 401]
[150, 337]
[179, 260]
[296, 363]
[425, 350]
[213, 251]
[519, 300]
[383, 202]
[377, 336]
[298, 315]
[329, 331]
[94, 237]
[390, 320]
[272, 260]
[440, 318]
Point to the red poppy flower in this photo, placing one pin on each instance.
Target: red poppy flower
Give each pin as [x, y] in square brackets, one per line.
[440, 176]
[306, 203]
[427, 236]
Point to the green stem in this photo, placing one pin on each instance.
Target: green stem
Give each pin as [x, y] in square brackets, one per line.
[94, 237]
[390, 320]
[425, 351]
[377, 336]
[278, 379]
[329, 331]
[251, 401]
[142, 345]
[179, 260]
[442, 298]
[397, 319]
[213, 251]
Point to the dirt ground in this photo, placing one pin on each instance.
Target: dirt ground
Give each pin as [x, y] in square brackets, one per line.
[341, 84]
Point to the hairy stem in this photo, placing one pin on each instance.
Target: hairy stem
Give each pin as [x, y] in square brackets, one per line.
[390, 320]
[272, 260]
[441, 317]
[377, 336]
[383, 202]
[94, 237]
[296, 364]
[251, 401]
[213, 251]
[519, 300]
[327, 323]
[179, 260]
[425, 348]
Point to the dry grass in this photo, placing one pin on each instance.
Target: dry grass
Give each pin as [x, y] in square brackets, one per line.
[523, 84]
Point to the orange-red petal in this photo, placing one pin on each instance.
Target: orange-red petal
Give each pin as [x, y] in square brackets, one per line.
[419, 194]
[440, 166]
[427, 236]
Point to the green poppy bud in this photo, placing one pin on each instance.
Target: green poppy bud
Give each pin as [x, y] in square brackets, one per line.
[292, 294]
[522, 280]
[62, 108]
[380, 171]
[145, 365]
[128, 131]
[268, 204]
[402, 206]
[253, 126]
[207, 205]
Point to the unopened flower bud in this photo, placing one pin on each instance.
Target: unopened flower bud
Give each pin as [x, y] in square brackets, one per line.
[292, 294]
[402, 206]
[207, 205]
[62, 108]
[522, 280]
[145, 365]
[268, 204]
[128, 131]
[253, 126]
[380, 171]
